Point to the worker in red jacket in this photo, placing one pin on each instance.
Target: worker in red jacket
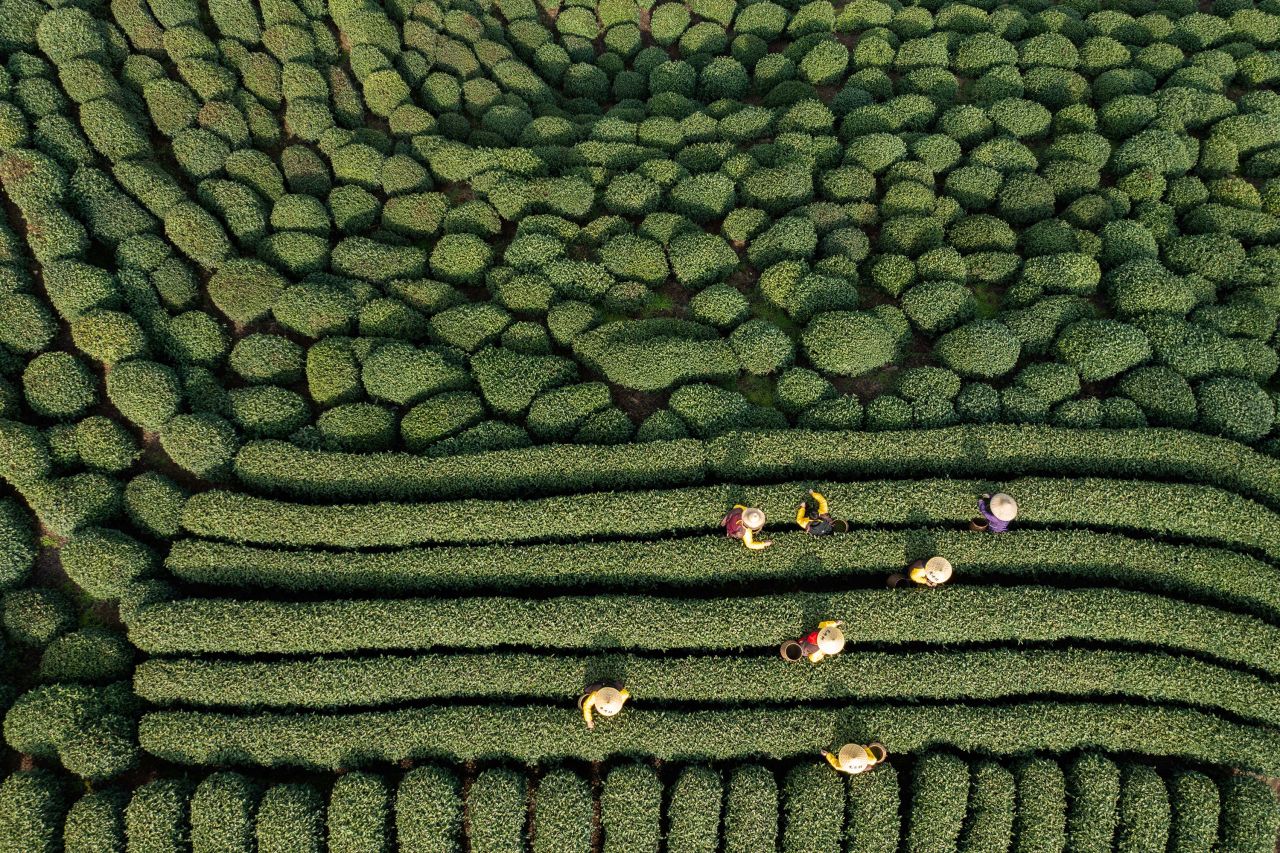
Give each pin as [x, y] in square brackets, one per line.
[744, 522]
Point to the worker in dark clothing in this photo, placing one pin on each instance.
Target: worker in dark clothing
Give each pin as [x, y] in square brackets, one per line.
[932, 572]
[820, 524]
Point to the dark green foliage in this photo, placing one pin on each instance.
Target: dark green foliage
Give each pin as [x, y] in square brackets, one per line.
[357, 427]
[563, 813]
[1042, 807]
[95, 823]
[76, 725]
[1093, 789]
[428, 811]
[940, 792]
[154, 503]
[496, 807]
[202, 444]
[290, 818]
[58, 385]
[36, 616]
[983, 348]
[1162, 394]
[91, 654]
[650, 355]
[1236, 408]
[17, 544]
[31, 807]
[104, 562]
[848, 343]
[814, 816]
[1250, 816]
[1143, 811]
[1101, 349]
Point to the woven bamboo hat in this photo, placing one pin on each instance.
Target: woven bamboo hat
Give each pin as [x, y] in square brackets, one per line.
[609, 701]
[1003, 506]
[831, 640]
[938, 569]
[753, 518]
[854, 758]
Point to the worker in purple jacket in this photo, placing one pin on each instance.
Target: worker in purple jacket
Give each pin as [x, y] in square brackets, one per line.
[998, 512]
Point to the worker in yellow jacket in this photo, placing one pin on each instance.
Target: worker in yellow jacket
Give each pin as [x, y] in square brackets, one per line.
[821, 523]
[932, 572]
[854, 758]
[603, 699]
[744, 522]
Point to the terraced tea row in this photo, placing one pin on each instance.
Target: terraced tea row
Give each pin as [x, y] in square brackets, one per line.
[959, 614]
[1002, 451]
[1174, 509]
[530, 733]
[712, 680]
[699, 563]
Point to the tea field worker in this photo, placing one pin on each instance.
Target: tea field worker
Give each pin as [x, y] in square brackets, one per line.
[932, 572]
[998, 511]
[828, 640]
[821, 524]
[744, 522]
[603, 699]
[854, 758]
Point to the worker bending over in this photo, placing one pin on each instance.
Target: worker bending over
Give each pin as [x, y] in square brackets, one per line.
[854, 758]
[998, 512]
[826, 641]
[744, 522]
[821, 524]
[603, 699]
[932, 572]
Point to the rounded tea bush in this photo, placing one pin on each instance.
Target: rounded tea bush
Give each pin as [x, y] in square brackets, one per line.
[1236, 408]
[983, 349]
[848, 343]
[35, 616]
[1101, 349]
[58, 385]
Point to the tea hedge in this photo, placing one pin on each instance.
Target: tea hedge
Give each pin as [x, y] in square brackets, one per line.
[1040, 822]
[1184, 511]
[751, 812]
[940, 793]
[1195, 805]
[1143, 811]
[991, 809]
[640, 622]
[631, 809]
[1059, 557]
[693, 811]
[319, 741]
[860, 810]
[925, 675]
[997, 451]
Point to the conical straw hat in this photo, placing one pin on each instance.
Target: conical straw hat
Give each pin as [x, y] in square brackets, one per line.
[753, 518]
[1003, 506]
[938, 569]
[853, 758]
[831, 640]
[609, 701]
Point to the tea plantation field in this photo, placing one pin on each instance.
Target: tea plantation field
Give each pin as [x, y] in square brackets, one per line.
[375, 376]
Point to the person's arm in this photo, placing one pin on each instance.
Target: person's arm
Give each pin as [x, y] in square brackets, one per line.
[749, 540]
[588, 708]
[920, 575]
[829, 623]
[624, 693]
[802, 515]
[822, 502]
[832, 760]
